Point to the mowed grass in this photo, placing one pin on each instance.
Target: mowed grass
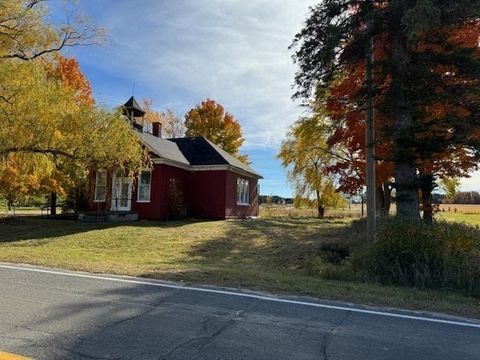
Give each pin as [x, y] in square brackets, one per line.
[467, 218]
[256, 254]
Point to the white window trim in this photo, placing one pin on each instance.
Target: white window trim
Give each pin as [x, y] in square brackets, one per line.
[149, 190]
[241, 203]
[95, 200]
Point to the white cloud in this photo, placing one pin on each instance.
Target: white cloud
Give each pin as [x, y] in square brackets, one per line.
[472, 183]
[233, 51]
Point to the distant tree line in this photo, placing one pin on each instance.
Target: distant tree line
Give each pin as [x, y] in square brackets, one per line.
[275, 200]
[465, 197]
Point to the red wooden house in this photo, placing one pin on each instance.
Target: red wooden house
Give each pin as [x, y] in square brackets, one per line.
[190, 177]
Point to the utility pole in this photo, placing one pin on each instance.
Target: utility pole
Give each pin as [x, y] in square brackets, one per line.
[370, 146]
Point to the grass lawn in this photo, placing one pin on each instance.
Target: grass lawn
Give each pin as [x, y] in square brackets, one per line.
[468, 218]
[256, 254]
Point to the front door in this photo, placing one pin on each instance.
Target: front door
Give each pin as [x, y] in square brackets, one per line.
[121, 192]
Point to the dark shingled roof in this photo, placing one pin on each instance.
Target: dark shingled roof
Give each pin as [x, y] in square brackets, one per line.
[200, 151]
[193, 151]
[132, 105]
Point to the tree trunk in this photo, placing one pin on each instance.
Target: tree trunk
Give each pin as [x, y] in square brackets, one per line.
[427, 207]
[53, 203]
[387, 192]
[320, 207]
[321, 212]
[427, 185]
[380, 201]
[361, 199]
[384, 199]
[10, 203]
[405, 171]
[406, 191]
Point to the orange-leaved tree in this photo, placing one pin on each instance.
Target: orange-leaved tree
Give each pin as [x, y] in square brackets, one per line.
[426, 81]
[210, 120]
[67, 70]
[439, 150]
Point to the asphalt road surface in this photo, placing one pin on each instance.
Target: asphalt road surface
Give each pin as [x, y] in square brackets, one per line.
[48, 314]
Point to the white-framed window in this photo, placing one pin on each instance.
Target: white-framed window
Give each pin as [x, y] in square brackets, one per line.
[144, 186]
[100, 186]
[243, 193]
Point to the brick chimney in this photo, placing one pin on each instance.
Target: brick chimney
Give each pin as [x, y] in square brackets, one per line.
[157, 129]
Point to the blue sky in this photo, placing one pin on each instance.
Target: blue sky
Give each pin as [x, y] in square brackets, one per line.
[180, 52]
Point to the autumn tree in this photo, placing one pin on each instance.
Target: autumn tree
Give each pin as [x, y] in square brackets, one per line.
[172, 124]
[426, 61]
[45, 126]
[307, 159]
[348, 115]
[51, 132]
[450, 186]
[210, 120]
[68, 72]
[20, 177]
[26, 33]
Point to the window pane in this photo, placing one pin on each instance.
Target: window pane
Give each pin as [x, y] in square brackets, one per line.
[100, 193]
[143, 193]
[239, 190]
[145, 177]
[243, 191]
[101, 179]
[100, 185]
[144, 186]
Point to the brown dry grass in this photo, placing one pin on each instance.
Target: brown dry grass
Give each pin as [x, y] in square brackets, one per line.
[289, 211]
[460, 208]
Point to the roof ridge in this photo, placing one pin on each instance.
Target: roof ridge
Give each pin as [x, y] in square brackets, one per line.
[209, 153]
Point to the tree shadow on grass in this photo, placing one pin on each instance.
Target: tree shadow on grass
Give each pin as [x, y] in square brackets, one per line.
[258, 248]
[19, 228]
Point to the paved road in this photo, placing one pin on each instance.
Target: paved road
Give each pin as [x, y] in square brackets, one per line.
[60, 316]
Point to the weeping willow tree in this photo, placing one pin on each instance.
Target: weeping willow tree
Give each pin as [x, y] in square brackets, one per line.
[48, 139]
[49, 134]
[306, 156]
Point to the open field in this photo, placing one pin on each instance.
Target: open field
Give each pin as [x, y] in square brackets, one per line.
[267, 254]
[280, 211]
[468, 218]
[460, 208]
[469, 214]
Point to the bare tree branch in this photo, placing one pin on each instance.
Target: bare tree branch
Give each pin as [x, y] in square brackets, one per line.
[16, 26]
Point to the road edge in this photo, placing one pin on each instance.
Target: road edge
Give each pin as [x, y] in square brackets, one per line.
[425, 316]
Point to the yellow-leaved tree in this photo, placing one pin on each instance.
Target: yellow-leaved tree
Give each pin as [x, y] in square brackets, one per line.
[50, 130]
[306, 156]
[27, 34]
[46, 126]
